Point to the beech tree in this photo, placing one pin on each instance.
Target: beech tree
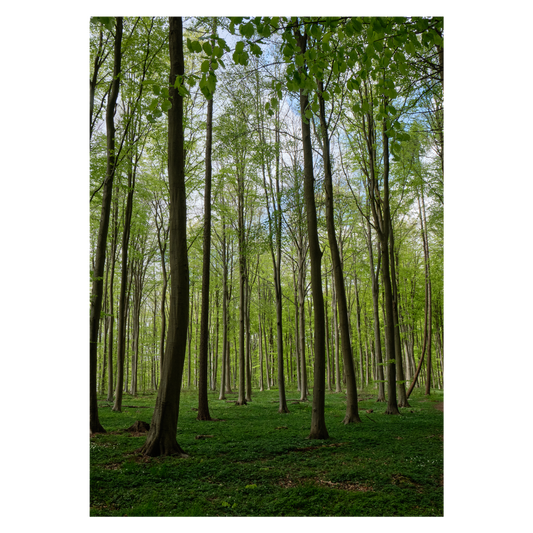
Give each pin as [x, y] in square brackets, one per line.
[161, 439]
[97, 282]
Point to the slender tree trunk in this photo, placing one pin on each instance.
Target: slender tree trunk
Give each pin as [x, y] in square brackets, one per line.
[242, 296]
[392, 404]
[336, 338]
[122, 306]
[161, 439]
[375, 310]
[352, 412]
[402, 396]
[224, 378]
[248, 343]
[301, 316]
[97, 285]
[110, 382]
[261, 381]
[318, 422]
[328, 343]
[203, 404]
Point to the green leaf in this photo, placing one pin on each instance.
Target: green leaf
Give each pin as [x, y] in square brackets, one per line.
[287, 50]
[153, 104]
[256, 49]
[247, 30]
[308, 113]
[357, 26]
[299, 59]
[239, 47]
[207, 49]
[205, 66]
[196, 47]
[166, 105]
[212, 82]
[156, 90]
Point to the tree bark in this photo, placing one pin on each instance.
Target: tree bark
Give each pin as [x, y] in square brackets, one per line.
[402, 396]
[318, 422]
[161, 439]
[114, 240]
[97, 285]
[203, 404]
[375, 310]
[122, 306]
[242, 296]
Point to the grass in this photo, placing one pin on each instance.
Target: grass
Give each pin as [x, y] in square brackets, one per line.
[260, 463]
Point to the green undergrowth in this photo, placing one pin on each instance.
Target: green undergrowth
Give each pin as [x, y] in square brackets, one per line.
[254, 461]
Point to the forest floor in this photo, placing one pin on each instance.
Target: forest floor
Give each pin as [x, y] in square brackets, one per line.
[254, 461]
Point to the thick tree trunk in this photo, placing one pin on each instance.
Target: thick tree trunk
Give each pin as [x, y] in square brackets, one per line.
[97, 285]
[318, 422]
[161, 439]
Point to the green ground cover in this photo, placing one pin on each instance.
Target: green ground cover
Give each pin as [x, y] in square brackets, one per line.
[256, 462]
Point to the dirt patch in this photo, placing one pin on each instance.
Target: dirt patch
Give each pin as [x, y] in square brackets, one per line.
[346, 485]
[440, 406]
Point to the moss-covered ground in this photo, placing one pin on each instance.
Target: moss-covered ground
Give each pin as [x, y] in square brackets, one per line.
[254, 461]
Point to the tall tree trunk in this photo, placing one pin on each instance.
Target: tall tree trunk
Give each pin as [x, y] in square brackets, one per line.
[336, 339]
[161, 439]
[203, 405]
[122, 306]
[248, 342]
[242, 296]
[352, 412]
[162, 238]
[392, 403]
[224, 377]
[301, 317]
[261, 380]
[97, 285]
[402, 396]
[114, 240]
[375, 310]
[318, 422]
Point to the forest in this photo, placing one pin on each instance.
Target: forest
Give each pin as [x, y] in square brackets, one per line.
[266, 232]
